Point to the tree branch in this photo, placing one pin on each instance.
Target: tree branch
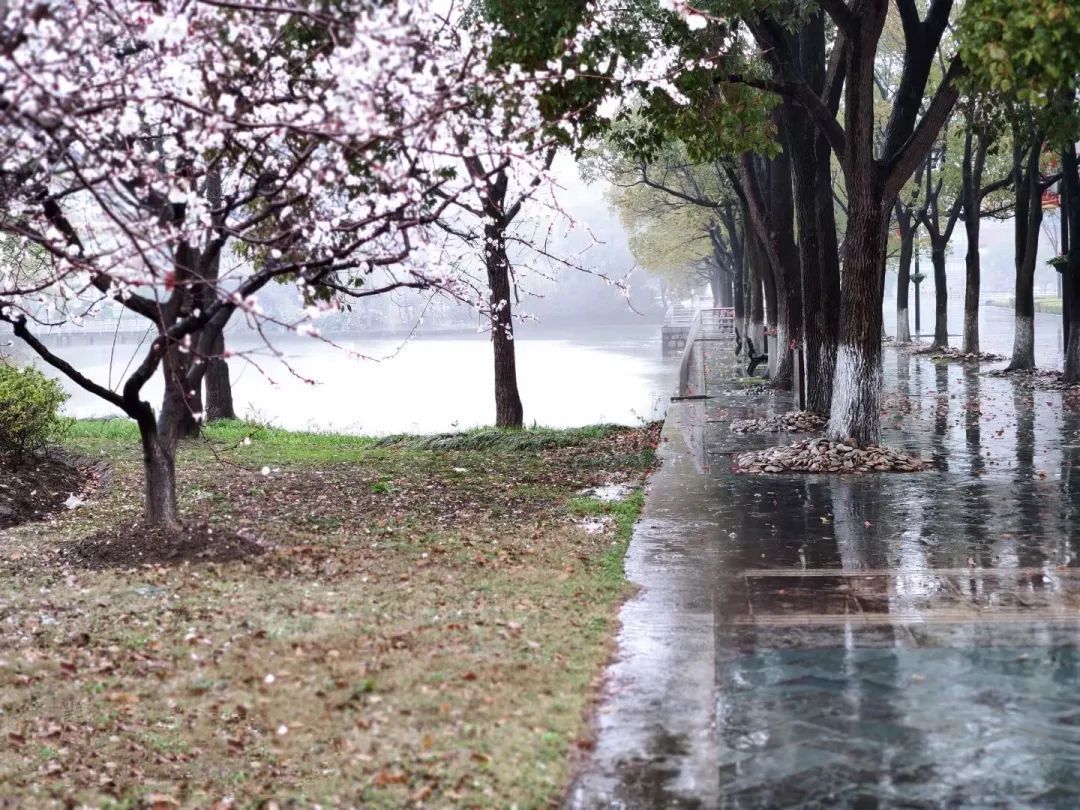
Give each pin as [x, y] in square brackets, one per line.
[840, 14]
[19, 324]
[901, 166]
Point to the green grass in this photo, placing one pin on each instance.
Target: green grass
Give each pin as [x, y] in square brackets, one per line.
[625, 514]
[536, 438]
[303, 446]
[1050, 304]
[281, 445]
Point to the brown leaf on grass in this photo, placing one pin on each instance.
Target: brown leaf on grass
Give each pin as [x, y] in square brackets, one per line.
[123, 698]
[159, 801]
[385, 777]
[422, 794]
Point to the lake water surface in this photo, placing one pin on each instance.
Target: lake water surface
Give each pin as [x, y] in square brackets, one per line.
[375, 386]
[426, 385]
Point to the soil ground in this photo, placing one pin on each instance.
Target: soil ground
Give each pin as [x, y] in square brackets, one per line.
[415, 621]
[34, 487]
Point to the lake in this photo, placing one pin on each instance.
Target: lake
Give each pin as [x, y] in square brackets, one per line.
[567, 377]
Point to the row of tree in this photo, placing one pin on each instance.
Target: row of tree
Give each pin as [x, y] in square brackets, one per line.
[865, 124]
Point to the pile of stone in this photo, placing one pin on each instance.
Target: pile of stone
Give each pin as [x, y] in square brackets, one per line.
[1053, 382]
[756, 388]
[790, 422]
[951, 355]
[1042, 379]
[825, 456]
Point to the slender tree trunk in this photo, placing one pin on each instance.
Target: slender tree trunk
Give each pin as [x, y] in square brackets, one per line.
[756, 311]
[972, 279]
[1071, 177]
[1066, 281]
[782, 224]
[1028, 218]
[972, 175]
[219, 399]
[856, 402]
[508, 409]
[768, 283]
[941, 298]
[816, 275]
[159, 472]
[903, 274]
[738, 299]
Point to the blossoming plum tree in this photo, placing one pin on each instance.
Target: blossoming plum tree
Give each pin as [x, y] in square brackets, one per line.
[148, 148]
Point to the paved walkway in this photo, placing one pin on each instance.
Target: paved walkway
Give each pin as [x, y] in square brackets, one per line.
[882, 640]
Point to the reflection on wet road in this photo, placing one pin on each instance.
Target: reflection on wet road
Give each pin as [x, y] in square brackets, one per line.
[879, 640]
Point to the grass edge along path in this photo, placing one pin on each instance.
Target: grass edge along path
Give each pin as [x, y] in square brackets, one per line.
[427, 625]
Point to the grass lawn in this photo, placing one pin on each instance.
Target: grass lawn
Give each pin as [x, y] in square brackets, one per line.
[1043, 303]
[426, 626]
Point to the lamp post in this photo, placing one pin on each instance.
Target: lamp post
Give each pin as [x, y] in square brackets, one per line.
[916, 279]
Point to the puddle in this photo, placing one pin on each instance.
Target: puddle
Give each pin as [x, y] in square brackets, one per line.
[608, 493]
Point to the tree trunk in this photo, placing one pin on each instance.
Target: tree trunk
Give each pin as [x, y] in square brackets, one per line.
[782, 225]
[819, 256]
[738, 300]
[972, 174]
[1071, 177]
[768, 283]
[159, 470]
[941, 298]
[972, 268]
[756, 310]
[856, 403]
[219, 399]
[903, 274]
[181, 407]
[508, 409]
[1027, 219]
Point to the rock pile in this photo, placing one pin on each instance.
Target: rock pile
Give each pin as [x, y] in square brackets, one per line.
[1042, 379]
[749, 390]
[825, 456]
[790, 422]
[951, 355]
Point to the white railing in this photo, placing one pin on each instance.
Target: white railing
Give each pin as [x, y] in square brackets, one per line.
[707, 325]
[679, 316]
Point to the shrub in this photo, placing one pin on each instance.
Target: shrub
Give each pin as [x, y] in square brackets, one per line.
[29, 410]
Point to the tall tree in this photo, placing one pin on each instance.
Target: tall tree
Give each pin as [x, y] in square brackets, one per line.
[873, 181]
[1032, 60]
[1027, 147]
[980, 195]
[939, 216]
[907, 228]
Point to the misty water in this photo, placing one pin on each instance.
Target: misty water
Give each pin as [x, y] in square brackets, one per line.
[374, 386]
[567, 377]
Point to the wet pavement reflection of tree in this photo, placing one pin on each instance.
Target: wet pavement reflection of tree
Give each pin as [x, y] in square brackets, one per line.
[877, 640]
